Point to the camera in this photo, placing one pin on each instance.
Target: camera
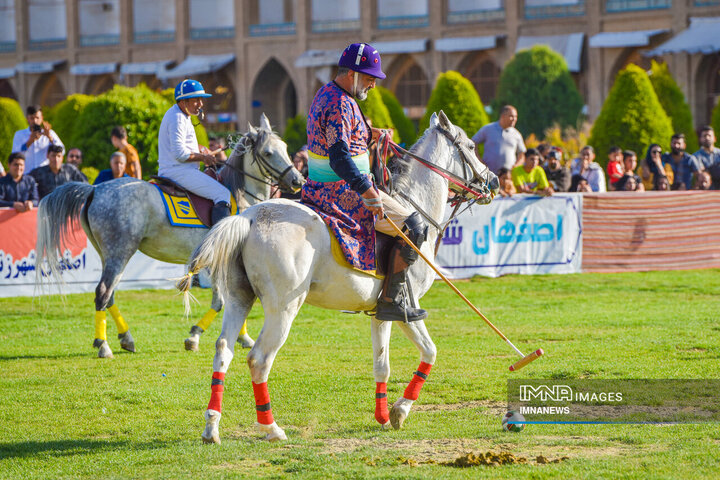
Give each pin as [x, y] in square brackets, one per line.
[37, 128]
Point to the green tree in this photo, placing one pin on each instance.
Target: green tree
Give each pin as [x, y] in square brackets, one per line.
[538, 84]
[375, 110]
[295, 134]
[403, 125]
[673, 102]
[456, 96]
[13, 119]
[140, 110]
[631, 117]
[64, 117]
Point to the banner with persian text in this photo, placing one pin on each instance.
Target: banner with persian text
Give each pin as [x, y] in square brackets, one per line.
[523, 234]
[81, 264]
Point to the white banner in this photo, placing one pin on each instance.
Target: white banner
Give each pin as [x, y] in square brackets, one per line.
[521, 234]
[81, 264]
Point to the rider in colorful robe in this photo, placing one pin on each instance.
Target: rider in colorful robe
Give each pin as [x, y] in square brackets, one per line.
[340, 187]
[179, 154]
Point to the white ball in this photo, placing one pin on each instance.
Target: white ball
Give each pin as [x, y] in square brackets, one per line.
[518, 422]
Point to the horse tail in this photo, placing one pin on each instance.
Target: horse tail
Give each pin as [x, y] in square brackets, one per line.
[58, 216]
[218, 252]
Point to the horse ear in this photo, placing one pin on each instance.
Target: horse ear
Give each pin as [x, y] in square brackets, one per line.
[444, 120]
[264, 122]
[252, 129]
[434, 120]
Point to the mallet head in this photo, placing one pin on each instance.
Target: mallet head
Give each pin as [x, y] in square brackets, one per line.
[526, 359]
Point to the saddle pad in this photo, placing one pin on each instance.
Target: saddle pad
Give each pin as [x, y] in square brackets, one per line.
[382, 247]
[181, 212]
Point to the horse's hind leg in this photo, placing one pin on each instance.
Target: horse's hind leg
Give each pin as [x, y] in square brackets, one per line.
[279, 315]
[105, 299]
[380, 332]
[237, 310]
[418, 334]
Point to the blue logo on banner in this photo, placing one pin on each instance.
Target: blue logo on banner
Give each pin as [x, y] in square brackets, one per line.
[510, 233]
[452, 234]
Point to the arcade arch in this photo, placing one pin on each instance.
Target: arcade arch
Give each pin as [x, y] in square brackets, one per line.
[48, 90]
[274, 94]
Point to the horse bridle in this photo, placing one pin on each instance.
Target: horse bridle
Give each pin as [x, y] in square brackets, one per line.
[268, 170]
[477, 186]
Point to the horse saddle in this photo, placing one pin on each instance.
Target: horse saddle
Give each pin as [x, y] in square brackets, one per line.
[201, 205]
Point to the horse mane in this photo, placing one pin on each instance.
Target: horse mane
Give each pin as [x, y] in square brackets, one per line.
[232, 175]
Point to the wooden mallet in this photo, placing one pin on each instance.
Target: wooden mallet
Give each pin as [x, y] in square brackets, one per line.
[515, 366]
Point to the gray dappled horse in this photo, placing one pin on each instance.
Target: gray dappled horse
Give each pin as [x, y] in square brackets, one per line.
[280, 252]
[125, 215]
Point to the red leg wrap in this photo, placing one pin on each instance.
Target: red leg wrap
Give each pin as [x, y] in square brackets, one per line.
[381, 408]
[413, 388]
[262, 403]
[217, 387]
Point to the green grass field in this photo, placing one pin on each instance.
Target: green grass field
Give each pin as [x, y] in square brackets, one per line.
[67, 414]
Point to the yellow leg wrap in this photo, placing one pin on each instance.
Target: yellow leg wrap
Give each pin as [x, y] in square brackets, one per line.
[207, 319]
[243, 330]
[120, 322]
[100, 325]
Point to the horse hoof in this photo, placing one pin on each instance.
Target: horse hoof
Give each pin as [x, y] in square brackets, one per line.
[103, 348]
[211, 434]
[399, 412]
[272, 432]
[192, 343]
[127, 342]
[245, 341]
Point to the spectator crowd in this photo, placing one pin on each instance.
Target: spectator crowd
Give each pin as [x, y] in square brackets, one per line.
[541, 170]
[37, 166]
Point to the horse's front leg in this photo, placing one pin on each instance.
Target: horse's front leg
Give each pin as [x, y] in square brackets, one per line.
[418, 334]
[235, 315]
[380, 332]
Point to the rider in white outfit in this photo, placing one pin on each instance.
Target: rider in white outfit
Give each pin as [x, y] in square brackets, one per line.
[179, 154]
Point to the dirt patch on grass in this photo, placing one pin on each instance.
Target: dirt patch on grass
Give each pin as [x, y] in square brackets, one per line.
[449, 450]
[495, 407]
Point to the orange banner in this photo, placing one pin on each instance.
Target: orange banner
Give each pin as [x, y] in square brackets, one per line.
[628, 231]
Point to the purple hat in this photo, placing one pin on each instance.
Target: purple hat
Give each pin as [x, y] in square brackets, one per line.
[362, 58]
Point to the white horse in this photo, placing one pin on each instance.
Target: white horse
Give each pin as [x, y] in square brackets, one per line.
[280, 252]
[126, 215]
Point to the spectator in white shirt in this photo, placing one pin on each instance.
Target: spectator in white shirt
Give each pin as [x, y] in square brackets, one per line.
[34, 141]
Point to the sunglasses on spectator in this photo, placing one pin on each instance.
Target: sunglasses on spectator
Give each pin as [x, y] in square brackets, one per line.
[656, 151]
[74, 155]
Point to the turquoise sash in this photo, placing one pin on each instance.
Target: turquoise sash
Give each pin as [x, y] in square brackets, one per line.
[319, 167]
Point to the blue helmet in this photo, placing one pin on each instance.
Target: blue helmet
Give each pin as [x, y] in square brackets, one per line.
[189, 89]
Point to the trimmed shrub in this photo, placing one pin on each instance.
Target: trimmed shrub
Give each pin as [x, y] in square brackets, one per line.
[538, 84]
[295, 134]
[65, 116]
[673, 102]
[13, 119]
[456, 96]
[375, 110]
[91, 173]
[403, 125]
[631, 117]
[140, 110]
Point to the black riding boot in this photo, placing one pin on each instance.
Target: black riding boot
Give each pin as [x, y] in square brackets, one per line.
[219, 211]
[394, 303]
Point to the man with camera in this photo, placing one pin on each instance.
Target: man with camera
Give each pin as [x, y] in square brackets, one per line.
[34, 141]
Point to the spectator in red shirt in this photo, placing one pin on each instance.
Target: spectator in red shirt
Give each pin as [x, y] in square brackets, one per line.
[615, 167]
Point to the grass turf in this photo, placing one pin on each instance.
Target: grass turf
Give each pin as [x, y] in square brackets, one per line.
[66, 414]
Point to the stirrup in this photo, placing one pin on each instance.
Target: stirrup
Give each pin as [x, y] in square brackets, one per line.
[398, 312]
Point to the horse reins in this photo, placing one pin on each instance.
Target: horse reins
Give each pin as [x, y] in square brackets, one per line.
[385, 144]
